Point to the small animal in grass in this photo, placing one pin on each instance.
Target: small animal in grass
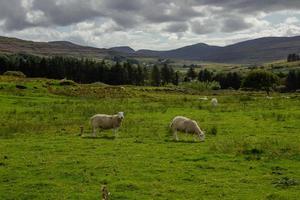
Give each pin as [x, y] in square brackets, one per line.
[186, 125]
[214, 102]
[104, 121]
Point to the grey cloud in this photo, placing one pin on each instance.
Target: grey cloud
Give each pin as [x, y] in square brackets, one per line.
[65, 13]
[204, 27]
[13, 15]
[234, 24]
[121, 5]
[177, 27]
[169, 11]
[250, 6]
[134, 13]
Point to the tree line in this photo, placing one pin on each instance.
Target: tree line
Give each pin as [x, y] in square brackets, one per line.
[89, 71]
[256, 79]
[293, 57]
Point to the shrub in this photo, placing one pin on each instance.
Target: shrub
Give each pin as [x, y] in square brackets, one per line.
[261, 80]
[15, 73]
[293, 80]
[229, 80]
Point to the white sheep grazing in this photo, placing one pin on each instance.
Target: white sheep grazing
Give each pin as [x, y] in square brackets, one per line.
[103, 121]
[285, 97]
[214, 102]
[186, 125]
[203, 98]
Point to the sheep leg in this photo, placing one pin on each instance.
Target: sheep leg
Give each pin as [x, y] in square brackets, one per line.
[94, 132]
[115, 132]
[186, 132]
[175, 135]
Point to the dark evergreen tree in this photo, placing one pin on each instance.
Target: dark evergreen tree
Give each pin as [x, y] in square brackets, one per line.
[293, 80]
[176, 78]
[140, 76]
[261, 80]
[205, 76]
[191, 74]
[155, 76]
[293, 57]
[167, 74]
[229, 80]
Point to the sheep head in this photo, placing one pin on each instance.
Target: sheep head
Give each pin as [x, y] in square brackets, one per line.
[201, 135]
[121, 115]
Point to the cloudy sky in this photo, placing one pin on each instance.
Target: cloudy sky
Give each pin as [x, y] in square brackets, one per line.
[151, 24]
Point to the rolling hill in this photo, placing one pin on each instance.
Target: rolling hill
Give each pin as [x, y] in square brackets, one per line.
[258, 51]
[63, 48]
[252, 51]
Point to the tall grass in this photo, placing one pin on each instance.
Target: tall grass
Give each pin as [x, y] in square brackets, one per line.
[201, 86]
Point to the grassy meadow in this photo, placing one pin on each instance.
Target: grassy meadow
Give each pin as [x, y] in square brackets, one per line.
[252, 147]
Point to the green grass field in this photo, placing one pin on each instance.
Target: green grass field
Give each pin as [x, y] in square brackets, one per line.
[252, 148]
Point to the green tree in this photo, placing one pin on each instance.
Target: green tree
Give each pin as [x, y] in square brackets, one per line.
[191, 74]
[176, 78]
[293, 80]
[167, 74]
[155, 76]
[205, 76]
[261, 80]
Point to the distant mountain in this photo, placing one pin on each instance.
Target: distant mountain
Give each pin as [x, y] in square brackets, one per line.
[192, 52]
[252, 51]
[62, 48]
[123, 49]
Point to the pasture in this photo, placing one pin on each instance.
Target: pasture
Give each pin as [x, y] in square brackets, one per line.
[252, 148]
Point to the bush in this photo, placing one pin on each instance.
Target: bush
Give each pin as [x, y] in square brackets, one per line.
[229, 80]
[293, 80]
[15, 73]
[261, 80]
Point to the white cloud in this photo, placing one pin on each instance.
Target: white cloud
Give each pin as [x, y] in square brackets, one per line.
[152, 24]
[292, 20]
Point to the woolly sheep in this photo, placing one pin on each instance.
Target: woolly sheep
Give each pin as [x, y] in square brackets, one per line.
[285, 97]
[214, 102]
[186, 125]
[104, 121]
[203, 98]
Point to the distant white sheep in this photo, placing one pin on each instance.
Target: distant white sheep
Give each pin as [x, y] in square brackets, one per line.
[214, 102]
[104, 121]
[186, 125]
[203, 98]
[285, 97]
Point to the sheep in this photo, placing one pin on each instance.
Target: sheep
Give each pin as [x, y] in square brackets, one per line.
[104, 121]
[214, 102]
[203, 98]
[187, 125]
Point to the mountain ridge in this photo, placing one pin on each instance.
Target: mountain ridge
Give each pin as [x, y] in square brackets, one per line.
[258, 50]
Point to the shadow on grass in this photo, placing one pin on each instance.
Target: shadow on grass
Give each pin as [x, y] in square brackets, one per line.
[103, 137]
[182, 141]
